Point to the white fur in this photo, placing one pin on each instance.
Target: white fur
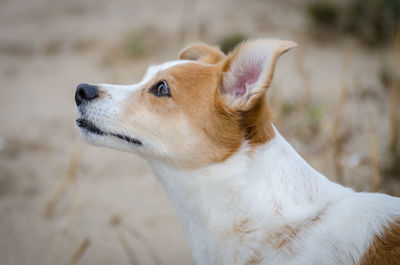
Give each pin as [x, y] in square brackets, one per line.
[209, 202]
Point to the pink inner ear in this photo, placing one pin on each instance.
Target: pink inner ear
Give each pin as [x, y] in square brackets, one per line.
[245, 78]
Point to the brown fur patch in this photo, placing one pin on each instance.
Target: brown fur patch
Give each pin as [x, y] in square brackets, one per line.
[256, 123]
[385, 249]
[243, 227]
[195, 86]
[102, 94]
[255, 259]
[282, 239]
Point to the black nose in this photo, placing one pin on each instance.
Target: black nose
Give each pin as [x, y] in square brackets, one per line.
[85, 92]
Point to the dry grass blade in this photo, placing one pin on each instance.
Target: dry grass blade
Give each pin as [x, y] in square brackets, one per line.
[67, 180]
[80, 251]
[394, 95]
[115, 221]
[18, 249]
[305, 75]
[337, 137]
[376, 176]
[127, 249]
[73, 212]
[154, 256]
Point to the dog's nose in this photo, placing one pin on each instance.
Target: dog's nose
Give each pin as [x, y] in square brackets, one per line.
[85, 92]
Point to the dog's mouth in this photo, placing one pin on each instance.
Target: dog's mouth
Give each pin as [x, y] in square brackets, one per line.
[89, 126]
[92, 128]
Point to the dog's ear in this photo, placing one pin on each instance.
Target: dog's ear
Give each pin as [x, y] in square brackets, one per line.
[202, 52]
[248, 72]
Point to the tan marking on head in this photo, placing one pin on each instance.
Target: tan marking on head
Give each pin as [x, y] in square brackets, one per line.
[195, 85]
[189, 117]
[209, 128]
[203, 53]
[384, 249]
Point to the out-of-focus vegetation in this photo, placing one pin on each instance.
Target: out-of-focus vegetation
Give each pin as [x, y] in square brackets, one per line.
[392, 166]
[229, 42]
[136, 45]
[140, 43]
[323, 13]
[391, 80]
[374, 22]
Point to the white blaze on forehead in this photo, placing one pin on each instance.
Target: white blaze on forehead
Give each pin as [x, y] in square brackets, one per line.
[121, 91]
[152, 70]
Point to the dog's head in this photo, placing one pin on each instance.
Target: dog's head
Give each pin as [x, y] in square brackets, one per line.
[191, 112]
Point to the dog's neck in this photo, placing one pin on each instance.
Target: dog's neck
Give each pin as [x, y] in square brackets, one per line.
[269, 187]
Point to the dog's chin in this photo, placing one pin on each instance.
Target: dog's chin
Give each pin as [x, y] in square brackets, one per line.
[95, 136]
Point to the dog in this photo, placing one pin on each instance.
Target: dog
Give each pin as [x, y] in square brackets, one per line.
[241, 192]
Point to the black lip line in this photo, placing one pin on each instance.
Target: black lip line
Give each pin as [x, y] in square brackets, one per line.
[88, 125]
[127, 138]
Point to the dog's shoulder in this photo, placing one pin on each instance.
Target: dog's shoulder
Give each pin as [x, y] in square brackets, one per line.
[385, 248]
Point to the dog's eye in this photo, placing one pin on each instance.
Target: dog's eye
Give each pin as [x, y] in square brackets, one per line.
[163, 88]
[160, 89]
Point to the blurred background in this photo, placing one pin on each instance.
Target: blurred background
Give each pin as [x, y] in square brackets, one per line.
[62, 201]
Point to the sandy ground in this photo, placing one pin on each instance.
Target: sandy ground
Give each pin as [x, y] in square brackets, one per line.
[112, 211]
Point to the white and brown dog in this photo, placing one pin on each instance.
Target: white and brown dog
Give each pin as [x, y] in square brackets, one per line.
[241, 192]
